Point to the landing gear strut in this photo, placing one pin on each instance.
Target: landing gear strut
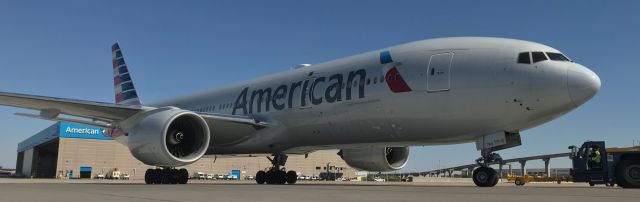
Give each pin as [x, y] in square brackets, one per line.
[166, 176]
[485, 176]
[277, 175]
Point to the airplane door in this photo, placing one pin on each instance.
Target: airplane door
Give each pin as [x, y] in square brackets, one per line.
[439, 72]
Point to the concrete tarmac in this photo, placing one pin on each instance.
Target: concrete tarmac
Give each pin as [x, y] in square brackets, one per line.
[17, 190]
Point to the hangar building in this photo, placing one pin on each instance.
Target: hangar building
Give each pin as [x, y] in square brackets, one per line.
[78, 151]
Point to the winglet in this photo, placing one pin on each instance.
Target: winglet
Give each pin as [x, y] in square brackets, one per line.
[125, 92]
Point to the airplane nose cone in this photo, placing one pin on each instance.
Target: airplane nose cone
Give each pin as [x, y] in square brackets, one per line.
[583, 84]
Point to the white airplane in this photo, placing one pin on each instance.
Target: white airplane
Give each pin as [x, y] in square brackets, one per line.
[372, 106]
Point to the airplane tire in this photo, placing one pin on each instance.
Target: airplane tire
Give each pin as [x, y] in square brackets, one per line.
[495, 181]
[281, 177]
[157, 176]
[485, 177]
[166, 176]
[261, 177]
[271, 177]
[292, 177]
[628, 173]
[175, 176]
[183, 176]
[148, 176]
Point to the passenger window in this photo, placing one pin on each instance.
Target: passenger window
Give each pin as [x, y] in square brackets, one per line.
[538, 56]
[524, 58]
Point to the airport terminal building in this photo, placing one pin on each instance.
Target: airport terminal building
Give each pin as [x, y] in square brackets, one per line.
[78, 151]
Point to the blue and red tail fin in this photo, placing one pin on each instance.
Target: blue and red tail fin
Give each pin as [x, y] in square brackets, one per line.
[125, 91]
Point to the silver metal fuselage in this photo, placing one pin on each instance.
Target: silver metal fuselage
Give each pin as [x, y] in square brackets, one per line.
[483, 91]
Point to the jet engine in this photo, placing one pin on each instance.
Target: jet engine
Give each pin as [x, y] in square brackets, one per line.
[168, 137]
[379, 159]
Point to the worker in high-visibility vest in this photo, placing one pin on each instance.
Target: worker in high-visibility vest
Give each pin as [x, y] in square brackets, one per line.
[596, 158]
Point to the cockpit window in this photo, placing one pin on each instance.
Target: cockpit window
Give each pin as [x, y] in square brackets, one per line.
[557, 57]
[524, 58]
[538, 56]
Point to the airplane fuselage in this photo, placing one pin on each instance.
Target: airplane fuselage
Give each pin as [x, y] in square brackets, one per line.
[429, 92]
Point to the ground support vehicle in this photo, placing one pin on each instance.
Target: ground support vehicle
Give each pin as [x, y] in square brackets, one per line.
[615, 166]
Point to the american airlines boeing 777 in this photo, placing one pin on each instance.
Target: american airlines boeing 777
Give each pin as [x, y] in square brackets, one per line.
[372, 107]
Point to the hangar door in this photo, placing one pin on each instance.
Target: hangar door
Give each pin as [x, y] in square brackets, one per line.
[439, 72]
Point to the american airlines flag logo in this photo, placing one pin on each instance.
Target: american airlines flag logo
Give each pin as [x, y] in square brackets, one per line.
[125, 92]
[392, 76]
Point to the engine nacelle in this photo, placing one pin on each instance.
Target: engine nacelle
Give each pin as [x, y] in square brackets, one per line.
[378, 159]
[168, 137]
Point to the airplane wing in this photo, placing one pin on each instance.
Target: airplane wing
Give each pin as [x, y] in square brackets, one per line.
[127, 104]
[51, 107]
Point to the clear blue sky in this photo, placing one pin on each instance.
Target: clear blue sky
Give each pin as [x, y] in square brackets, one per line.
[61, 48]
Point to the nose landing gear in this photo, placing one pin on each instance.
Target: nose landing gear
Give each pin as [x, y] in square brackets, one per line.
[485, 176]
[277, 175]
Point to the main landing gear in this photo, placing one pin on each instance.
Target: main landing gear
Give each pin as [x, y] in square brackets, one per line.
[485, 176]
[277, 175]
[166, 176]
